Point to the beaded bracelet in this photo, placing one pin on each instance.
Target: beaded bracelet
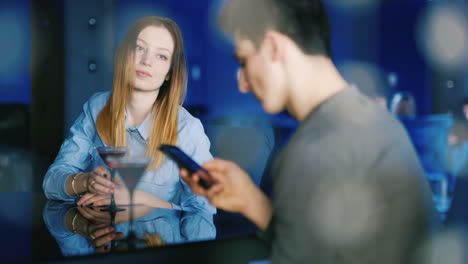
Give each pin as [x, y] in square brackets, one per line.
[73, 183]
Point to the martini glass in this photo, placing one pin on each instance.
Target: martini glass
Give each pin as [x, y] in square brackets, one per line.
[106, 154]
[130, 169]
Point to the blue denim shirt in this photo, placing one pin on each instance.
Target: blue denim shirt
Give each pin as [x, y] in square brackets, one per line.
[78, 154]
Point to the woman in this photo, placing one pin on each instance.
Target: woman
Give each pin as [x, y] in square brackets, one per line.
[142, 111]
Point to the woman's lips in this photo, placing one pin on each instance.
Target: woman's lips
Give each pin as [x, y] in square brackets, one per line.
[143, 74]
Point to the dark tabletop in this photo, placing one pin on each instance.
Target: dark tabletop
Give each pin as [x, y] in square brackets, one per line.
[34, 229]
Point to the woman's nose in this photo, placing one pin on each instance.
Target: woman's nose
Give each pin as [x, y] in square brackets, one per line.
[146, 60]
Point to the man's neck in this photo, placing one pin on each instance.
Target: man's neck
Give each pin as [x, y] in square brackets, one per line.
[140, 105]
[313, 81]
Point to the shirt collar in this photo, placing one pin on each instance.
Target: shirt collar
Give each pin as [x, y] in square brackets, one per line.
[144, 128]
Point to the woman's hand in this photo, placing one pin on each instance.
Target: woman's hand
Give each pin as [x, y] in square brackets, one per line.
[104, 238]
[121, 196]
[95, 225]
[95, 215]
[99, 181]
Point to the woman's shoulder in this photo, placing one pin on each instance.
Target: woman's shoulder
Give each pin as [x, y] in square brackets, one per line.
[191, 134]
[99, 98]
[187, 121]
[97, 101]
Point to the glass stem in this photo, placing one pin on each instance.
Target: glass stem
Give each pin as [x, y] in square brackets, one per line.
[131, 234]
[112, 215]
[112, 174]
[131, 212]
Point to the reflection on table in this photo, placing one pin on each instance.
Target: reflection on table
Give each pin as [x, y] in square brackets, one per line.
[87, 230]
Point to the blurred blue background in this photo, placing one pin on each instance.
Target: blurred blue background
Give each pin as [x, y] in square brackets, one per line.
[388, 43]
[15, 54]
[54, 54]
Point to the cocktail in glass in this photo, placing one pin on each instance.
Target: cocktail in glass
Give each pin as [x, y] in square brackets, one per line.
[106, 154]
[130, 169]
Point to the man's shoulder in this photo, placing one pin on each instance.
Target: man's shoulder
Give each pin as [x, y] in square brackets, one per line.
[346, 141]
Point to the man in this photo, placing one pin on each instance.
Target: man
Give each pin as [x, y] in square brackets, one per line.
[459, 131]
[403, 105]
[348, 187]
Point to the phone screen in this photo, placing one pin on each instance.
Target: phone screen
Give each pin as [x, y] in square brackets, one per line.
[184, 161]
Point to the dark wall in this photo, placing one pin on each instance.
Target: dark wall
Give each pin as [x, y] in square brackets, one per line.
[47, 76]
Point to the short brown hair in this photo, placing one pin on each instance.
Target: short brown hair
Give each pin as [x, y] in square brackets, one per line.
[304, 21]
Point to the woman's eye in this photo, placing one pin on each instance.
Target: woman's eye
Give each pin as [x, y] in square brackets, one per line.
[139, 48]
[162, 57]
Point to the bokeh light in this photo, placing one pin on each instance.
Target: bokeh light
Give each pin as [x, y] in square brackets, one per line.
[196, 72]
[442, 36]
[450, 84]
[392, 79]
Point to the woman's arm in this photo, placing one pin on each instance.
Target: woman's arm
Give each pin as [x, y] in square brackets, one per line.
[74, 156]
[142, 197]
[195, 143]
[197, 226]
[55, 218]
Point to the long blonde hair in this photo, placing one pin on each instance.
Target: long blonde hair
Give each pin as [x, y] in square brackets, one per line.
[110, 123]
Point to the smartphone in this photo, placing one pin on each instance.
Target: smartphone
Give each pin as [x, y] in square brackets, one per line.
[184, 161]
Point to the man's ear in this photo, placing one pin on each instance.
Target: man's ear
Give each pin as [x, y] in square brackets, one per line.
[274, 45]
[242, 81]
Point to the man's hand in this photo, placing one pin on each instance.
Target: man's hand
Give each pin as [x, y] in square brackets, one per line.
[232, 190]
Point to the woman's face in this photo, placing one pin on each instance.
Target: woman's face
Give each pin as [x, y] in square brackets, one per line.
[153, 56]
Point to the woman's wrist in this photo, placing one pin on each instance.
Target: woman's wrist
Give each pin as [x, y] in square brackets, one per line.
[79, 225]
[70, 220]
[77, 184]
[84, 182]
[81, 182]
[74, 183]
[74, 222]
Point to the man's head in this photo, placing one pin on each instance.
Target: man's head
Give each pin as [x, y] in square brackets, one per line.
[303, 21]
[270, 37]
[465, 108]
[403, 104]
